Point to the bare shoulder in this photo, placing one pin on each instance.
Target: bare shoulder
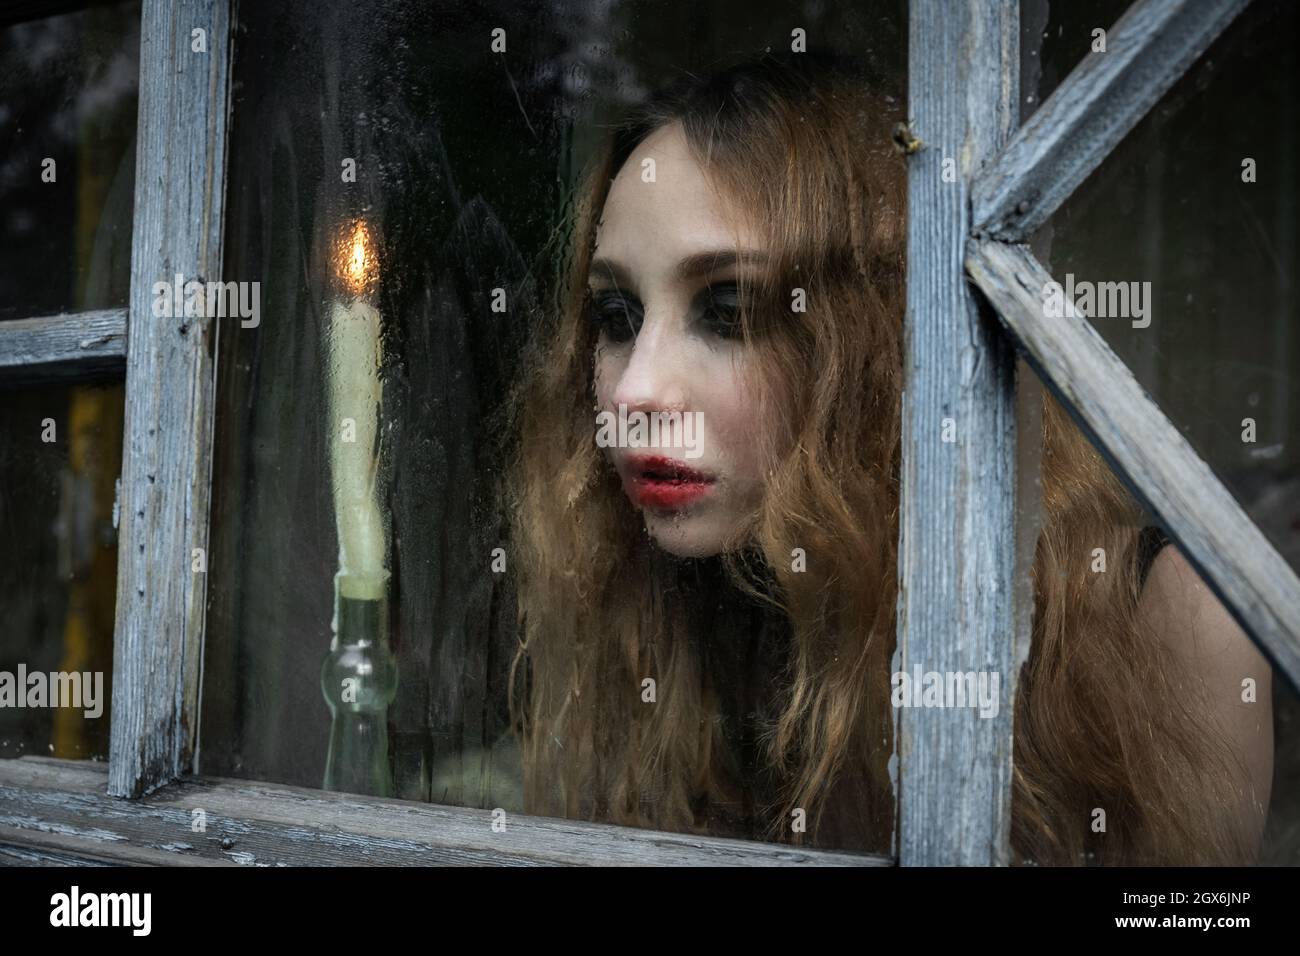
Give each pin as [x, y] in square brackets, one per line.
[1191, 621]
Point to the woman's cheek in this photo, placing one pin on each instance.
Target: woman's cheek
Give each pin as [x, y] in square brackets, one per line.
[606, 375]
[734, 427]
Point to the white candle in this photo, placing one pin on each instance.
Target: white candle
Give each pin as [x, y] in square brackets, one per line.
[354, 357]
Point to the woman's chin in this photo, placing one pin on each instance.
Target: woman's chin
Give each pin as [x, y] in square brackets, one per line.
[683, 536]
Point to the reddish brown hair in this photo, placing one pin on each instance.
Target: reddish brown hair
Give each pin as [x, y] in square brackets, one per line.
[1103, 717]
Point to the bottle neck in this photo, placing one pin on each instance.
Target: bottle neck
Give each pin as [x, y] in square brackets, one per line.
[360, 620]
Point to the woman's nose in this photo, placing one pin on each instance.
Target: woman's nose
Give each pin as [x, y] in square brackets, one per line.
[652, 380]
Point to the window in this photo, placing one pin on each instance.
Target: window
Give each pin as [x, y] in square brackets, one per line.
[68, 92]
[1216, 253]
[70, 86]
[386, 199]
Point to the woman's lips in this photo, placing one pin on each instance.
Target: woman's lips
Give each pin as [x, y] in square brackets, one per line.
[664, 483]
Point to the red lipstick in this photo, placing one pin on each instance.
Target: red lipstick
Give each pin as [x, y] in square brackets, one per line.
[664, 483]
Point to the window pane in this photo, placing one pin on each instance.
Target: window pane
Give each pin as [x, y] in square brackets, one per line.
[60, 456]
[1149, 730]
[1067, 32]
[1193, 221]
[1181, 249]
[400, 190]
[68, 88]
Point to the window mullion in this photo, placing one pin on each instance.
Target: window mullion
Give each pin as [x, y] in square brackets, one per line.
[185, 58]
[957, 558]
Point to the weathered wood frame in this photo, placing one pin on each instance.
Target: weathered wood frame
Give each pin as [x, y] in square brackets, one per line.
[1147, 50]
[1069, 136]
[955, 818]
[957, 602]
[170, 394]
[960, 607]
[1255, 583]
[163, 499]
[56, 812]
[63, 347]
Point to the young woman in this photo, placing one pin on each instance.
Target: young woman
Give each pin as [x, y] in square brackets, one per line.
[706, 639]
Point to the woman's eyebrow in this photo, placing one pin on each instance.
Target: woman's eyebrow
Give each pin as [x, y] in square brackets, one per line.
[702, 263]
[609, 269]
[692, 267]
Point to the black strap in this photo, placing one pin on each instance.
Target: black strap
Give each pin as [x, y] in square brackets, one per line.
[1150, 540]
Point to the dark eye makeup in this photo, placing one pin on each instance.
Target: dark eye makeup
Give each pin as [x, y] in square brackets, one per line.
[618, 316]
[720, 310]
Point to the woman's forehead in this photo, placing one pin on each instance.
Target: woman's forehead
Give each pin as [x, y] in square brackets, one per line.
[663, 208]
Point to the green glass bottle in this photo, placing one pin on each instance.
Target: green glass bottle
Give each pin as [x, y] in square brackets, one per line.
[359, 681]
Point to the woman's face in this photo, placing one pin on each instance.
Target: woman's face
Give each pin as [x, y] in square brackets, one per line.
[677, 414]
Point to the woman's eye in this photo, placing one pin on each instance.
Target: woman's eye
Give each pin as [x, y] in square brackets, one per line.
[720, 314]
[616, 316]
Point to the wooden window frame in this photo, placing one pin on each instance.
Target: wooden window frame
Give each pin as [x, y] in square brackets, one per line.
[980, 228]
[961, 605]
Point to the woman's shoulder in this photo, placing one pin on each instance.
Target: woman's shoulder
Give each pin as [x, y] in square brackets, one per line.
[1183, 607]
[1236, 679]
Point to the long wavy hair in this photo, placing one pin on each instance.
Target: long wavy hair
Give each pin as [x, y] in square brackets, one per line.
[1103, 717]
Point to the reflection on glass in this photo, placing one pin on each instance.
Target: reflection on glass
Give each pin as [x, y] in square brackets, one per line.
[68, 87]
[60, 455]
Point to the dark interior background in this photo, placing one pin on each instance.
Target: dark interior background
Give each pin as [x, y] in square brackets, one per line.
[466, 163]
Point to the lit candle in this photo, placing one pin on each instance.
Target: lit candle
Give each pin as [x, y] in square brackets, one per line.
[355, 354]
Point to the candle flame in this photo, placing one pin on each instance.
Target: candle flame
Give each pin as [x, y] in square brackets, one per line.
[355, 260]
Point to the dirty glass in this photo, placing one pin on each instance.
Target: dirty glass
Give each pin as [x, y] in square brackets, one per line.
[1181, 250]
[401, 187]
[60, 455]
[68, 89]
[387, 614]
